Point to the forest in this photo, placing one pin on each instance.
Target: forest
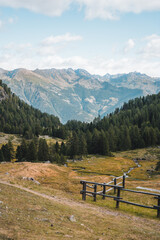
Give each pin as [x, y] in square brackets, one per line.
[135, 125]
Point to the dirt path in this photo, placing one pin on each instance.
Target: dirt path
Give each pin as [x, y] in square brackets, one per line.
[66, 201]
[73, 203]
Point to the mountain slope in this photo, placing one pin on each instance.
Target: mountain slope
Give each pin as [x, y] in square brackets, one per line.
[76, 94]
[16, 116]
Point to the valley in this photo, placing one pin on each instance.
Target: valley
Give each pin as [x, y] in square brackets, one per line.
[76, 94]
[79, 120]
[43, 162]
[46, 209]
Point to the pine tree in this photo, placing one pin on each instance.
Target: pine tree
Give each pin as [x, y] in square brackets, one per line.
[1, 156]
[57, 147]
[21, 153]
[104, 145]
[8, 151]
[82, 144]
[32, 152]
[73, 145]
[43, 151]
[63, 149]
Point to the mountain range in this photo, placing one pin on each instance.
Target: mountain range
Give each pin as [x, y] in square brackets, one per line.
[76, 94]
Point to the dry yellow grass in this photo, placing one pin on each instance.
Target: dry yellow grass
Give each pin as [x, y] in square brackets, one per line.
[28, 216]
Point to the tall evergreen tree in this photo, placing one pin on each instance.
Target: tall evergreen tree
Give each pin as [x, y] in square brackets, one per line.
[32, 152]
[43, 151]
[1, 156]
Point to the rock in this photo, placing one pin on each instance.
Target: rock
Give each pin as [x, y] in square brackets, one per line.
[72, 218]
[24, 178]
[47, 162]
[45, 220]
[31, 179]
[7, 173]
[65, 165]
[1, 202]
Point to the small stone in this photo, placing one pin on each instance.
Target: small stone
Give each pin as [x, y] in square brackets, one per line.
[1, 202]
[47, 162]
[45, 220]
[72, 218]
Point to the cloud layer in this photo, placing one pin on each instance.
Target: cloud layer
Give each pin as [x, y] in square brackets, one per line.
[47, 54]
[105, 9]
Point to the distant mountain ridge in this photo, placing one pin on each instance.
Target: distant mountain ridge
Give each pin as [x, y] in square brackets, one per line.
[76, 94]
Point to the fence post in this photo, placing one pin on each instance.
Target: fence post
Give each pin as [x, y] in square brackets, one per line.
[123, 184]
[115, 182]
[118, 196]
[104, 191]
[84, 191]
[158, 209]
[95, 191]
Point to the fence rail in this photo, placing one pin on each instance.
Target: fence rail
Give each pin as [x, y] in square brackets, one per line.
[117, 189]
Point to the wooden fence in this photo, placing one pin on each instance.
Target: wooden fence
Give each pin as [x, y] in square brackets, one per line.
[117, 189]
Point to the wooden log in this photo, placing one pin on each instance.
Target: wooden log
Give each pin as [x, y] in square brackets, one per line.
[84, 191]
[115, 183]
[147, 193]
[95, 193]
[158, 210]
[89, 186]
[118, 197]
[136, 204]
[104, 191]
[123, 184]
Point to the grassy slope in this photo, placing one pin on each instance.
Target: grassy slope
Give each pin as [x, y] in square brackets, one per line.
[30, 217]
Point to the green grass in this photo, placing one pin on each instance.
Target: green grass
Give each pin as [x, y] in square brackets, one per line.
[103, 166]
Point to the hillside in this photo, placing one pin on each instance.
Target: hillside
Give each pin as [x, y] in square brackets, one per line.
[135, 125]
[44, 210]
[76, 94]
[18, 117]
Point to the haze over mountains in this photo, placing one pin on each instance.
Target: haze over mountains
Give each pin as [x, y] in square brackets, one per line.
[76, 94]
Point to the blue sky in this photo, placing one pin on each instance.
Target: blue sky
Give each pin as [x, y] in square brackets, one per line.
[101, 36]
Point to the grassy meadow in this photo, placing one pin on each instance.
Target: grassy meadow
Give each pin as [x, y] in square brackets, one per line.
[24, 215]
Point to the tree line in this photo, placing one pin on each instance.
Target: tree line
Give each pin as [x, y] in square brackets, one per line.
[35, 150]
[135, 125]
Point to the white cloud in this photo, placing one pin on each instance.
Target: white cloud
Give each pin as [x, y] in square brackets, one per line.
[152, 47]
[51, 56]
[61, 38]
[129, 45]
[105, 9]
[47, 7]
[110, 9]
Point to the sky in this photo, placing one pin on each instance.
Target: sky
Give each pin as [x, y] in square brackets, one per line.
[100, 36]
